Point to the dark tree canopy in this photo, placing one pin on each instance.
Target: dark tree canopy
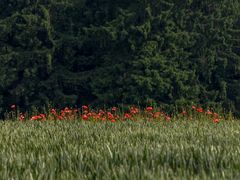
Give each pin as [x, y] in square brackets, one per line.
[70, 52]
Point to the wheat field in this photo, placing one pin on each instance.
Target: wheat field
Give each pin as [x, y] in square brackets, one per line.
[123, 150]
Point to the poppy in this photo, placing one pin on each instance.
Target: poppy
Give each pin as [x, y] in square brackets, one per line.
[85, 107]
[149, 108]
[84, 117]
[127, 116]
[216, 120]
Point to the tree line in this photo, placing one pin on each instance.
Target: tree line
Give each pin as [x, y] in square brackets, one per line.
[72, 52]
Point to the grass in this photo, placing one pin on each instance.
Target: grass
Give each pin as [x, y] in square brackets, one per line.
[121, 150]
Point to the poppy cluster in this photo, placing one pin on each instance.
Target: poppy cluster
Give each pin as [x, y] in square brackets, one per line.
[114, 114]
[209, 114]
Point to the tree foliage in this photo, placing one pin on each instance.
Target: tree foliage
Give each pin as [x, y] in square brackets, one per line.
[79, 51]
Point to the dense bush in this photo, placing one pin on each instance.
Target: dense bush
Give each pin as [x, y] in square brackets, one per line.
[169, 52]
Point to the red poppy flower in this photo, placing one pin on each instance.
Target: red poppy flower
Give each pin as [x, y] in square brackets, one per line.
[157, 114]
[167, 118]
[21, 117]
[209, 112]
[85, 107]
[84, 117]
[110, 115]
[128, 116]
[134, 110]
[149, 108]
[42, 115]
[103, 119]
[34, 118]
[216, 120]
[67, 110]
[114, 108]
[62, 113]
[200, 110]
[53, 111]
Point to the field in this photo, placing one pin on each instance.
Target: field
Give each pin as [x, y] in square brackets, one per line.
[178, 149]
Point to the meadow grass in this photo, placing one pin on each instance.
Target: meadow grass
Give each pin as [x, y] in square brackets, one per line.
[182, 149]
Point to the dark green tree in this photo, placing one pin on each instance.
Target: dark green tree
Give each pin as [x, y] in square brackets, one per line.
[72, 52]
[26, 49]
